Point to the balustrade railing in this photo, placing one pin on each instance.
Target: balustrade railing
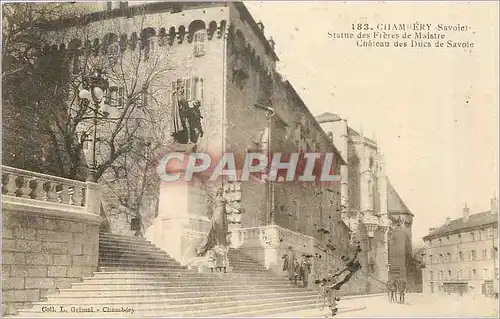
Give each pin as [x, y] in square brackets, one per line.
[41, 187]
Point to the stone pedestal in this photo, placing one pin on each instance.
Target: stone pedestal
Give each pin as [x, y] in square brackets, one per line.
[182, 221]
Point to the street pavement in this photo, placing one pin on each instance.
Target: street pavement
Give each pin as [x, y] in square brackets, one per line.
[416, 305]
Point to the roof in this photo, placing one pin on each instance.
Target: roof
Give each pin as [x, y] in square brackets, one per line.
[395, 205]
[455, 225]
[327, 117]
[157, 7]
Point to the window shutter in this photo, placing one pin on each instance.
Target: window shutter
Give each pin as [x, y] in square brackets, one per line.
[200, 84]
[172, 103]
[144, 96]
[107, 99]
[193, 85]
[188, 88]
[120, 103]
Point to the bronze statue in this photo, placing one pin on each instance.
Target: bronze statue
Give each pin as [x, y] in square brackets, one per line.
[186, 119]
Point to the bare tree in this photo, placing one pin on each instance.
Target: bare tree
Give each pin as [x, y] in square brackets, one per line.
[45, 90]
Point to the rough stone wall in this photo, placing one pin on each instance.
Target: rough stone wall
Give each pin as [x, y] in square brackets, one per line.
[41, 254]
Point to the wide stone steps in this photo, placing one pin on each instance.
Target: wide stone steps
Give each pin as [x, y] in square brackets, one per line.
[174, 299]
[193, 306]
[169, 291]
[135, 274]
[178, 273]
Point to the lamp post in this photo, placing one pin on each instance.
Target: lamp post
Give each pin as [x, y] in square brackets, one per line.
[93, 90]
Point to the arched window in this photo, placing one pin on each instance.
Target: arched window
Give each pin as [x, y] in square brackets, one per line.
[148, 37]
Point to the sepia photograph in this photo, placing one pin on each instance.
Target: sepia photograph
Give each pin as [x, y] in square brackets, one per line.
[256, 159]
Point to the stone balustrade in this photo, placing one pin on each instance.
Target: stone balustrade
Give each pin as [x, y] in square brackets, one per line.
[50, 231]
[25, 184]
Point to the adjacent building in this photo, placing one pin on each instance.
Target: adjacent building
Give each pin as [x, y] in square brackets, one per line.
[462, 255]
[371, 205]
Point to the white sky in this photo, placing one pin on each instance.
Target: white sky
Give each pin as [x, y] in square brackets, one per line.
[440, 150]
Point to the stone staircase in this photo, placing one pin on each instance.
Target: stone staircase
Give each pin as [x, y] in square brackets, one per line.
[136, 279]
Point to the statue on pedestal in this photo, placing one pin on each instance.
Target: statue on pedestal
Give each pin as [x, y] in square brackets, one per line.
[216, 239]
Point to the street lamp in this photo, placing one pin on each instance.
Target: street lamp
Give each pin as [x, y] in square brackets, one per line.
[93, 90]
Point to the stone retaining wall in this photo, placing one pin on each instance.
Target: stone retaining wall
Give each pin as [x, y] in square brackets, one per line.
[47, 244]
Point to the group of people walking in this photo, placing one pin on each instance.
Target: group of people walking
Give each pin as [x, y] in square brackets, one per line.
[299, 270]
[396, 289]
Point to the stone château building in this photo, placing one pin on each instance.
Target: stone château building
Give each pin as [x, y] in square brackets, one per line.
[224, 59]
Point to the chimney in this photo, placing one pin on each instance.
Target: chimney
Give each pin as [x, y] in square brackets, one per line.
[494, 206]
[432, 229]
[271, 42]
[466, 212]
[448, 220]
[261, 26]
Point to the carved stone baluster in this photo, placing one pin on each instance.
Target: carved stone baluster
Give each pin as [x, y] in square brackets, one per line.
[77, 196]
[50, 194]
[36, 186]
[23, 187]
[9, 184]
[64, 195]
[84, 195]
[59, 191]
[71, 195]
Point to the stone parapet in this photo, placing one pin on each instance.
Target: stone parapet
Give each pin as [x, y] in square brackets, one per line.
[50, 235]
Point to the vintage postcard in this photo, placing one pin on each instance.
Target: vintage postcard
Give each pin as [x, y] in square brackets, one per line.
[250, 159]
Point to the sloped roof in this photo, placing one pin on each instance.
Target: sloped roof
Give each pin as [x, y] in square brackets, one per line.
[352, 132]
[455, 225]
[394, 202]
[327, 117]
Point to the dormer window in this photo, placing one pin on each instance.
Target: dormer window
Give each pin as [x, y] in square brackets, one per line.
[199, 42]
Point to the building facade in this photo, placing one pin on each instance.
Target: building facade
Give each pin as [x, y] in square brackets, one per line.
[462, 255]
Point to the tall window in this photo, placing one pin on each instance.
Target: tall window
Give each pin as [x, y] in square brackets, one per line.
[430, 259]
[473, 255]
[431, 275]
[474, 273]
[114, 97]
[449, 274]
[441, 258]
[199, 42]
[473, 236]
[193, 88]
[485, 254]
[448, 257]
[461, 256]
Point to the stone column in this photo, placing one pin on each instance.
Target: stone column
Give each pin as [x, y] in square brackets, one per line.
[93, 198]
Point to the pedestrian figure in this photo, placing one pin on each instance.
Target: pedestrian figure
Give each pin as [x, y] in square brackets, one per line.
[392, 289]
[221, 258]
[211, 260]
[402, 287]
[289, 263]
[304, 270]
